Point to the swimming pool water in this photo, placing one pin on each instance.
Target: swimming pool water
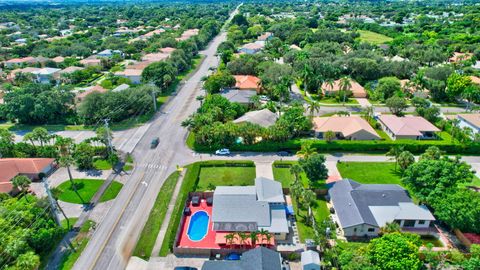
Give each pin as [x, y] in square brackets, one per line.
[198, 226]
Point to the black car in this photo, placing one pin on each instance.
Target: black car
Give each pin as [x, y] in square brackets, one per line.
[285, 153]
[154, 142]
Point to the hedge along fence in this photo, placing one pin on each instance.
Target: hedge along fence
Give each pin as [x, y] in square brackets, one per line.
[189, 184]
[380, 146]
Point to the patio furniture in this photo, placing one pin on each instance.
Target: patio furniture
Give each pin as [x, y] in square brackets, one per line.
[187, 211]
[195, 200]
[209, 201]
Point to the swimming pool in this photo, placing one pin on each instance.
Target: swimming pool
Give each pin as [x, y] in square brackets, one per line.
[198, 226]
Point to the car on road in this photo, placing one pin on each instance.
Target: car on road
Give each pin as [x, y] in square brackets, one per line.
[222, 152]
[284, 153]
[184, 268]
[155, 142]
[264, 98]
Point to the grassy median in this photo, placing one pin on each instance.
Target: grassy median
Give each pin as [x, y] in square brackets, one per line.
[147, 239]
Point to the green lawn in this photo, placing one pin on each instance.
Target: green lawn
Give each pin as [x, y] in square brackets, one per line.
[111, 192]
[428, 239]
[331, 100]
[320, 212]
[370, 172]
[72, 222]
[155, 219]
[372, 37]
[102, 164]
[86, 189]
[80, 242]
[17, 127]
[281, 173]
[225, 176]
[379, 173]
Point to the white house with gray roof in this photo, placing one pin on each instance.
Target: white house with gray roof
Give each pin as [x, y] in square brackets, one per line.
[251, 208]
[362, 209]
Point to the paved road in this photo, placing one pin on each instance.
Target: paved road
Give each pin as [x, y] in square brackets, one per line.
[113, 241]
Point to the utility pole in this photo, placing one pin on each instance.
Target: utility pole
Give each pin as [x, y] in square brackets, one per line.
[154, 101]
[109, 136]
[53, 203]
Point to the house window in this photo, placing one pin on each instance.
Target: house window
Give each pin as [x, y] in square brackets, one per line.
[371, 229]
[355, 229]
[409, 223]
[421, 222]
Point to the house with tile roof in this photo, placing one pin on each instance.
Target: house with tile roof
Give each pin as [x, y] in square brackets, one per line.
[344, 127]
[247, 82]
[252, 48]
[331, 90]
[458, 57]
[362, 209]
[20, 61]
[30, 167]
[408, 127]
[471, 121]
[134, 75]
[243, 97]
[264, 118]
[80, 95]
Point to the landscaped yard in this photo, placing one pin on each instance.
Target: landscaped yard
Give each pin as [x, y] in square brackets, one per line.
[372, 37]
[282, 174]
[210, 177]
[189, 184]
[86, 189]
[155, 219]
[320, 212]
[370, 172]
[102, 164]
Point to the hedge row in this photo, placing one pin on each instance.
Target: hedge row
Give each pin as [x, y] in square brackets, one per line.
[380, 146]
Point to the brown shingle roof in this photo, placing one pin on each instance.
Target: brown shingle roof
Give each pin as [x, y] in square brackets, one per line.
[345, 125]
[357, 90]
[408, 125]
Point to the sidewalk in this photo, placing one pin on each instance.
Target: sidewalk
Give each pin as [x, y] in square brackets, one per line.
[168, 215]
[333, 173]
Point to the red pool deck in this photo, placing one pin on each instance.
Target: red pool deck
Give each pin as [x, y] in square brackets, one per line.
[209, 240]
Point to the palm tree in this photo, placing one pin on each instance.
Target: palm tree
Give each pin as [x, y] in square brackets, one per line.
[64, 146]
[305, 74]
[306, 150]
[242, 236]
[455, 128]
[308, 198]
[255, 101]
[253, 238]
[268, 236]
[345, 85]
[22, 183]
[229, 238]
[296, 170]
[405, 159]
[263, 233]
[200, 98]
[296, 188]
[313, 106]
[395, 152]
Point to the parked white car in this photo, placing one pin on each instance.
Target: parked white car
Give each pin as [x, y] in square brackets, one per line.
[222, 152]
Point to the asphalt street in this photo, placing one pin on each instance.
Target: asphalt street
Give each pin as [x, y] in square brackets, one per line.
[114, 239]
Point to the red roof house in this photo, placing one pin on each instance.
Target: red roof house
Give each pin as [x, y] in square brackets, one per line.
[30, 167]
[247, 82]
